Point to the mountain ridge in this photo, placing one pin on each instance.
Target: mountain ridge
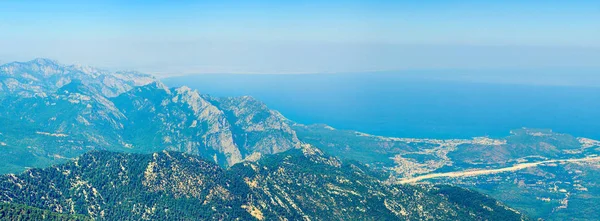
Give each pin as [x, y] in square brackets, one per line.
[172, 185]
[45, 125]
[41, 75]
[131, 118]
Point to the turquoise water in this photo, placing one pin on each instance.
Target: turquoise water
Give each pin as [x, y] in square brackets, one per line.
[392, 105]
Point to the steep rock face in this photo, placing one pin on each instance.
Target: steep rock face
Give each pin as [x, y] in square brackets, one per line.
[151, 118]
[179, 120]
[227, 130]
[260, 128]
[40, 76]
[55, 112]
[295, 185]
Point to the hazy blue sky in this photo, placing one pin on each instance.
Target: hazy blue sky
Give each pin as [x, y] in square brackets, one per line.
[164, 37]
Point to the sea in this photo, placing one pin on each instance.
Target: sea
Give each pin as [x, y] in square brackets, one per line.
[439, 105]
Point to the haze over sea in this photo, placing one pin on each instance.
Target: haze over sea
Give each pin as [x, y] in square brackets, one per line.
[424, 104]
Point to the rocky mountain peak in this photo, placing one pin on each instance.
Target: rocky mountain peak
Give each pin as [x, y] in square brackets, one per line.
[44, 62]
[185, 90]
[44, 76]
[116, 110]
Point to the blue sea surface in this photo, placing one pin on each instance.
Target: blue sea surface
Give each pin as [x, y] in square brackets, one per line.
[389, 104]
